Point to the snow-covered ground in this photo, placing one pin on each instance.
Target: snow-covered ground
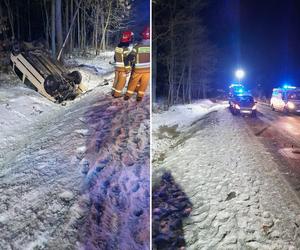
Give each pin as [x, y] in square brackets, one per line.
[221, 188]
[168, 124]
[74, 176]
[184, 115]
[93, 69]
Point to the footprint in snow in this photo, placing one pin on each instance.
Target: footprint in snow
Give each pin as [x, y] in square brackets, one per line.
[83, 132]
[66, 196]
[80, 151]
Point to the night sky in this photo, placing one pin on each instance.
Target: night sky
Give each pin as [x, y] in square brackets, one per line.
[141, 15]
[261, 36]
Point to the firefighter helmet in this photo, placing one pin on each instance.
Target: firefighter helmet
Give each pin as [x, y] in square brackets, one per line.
[127, 37]
[146, 33]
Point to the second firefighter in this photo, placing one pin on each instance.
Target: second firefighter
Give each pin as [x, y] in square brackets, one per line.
[140, 76]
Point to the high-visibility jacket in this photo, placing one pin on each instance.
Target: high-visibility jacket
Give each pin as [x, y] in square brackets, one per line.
[121, 57]
[140, 76]
[140, 56]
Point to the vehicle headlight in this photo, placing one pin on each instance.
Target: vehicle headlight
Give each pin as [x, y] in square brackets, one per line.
[254, 107]
[237, 106]
[291, 105]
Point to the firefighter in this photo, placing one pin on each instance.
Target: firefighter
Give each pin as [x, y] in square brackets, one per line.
[140, 76]
[122, 64]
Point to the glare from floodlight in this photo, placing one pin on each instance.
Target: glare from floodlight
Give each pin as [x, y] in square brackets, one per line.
[240, 73]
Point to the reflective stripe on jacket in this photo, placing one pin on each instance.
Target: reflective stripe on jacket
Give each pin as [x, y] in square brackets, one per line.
[142, 56]
[121, 53]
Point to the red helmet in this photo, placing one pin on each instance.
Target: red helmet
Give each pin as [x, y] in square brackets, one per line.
[127, 37]
[146, 33]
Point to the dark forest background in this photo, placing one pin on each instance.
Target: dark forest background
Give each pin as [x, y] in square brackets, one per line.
[184, 59]
[96, 24]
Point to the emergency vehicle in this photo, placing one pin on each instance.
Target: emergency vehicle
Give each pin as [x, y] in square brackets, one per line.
[286, 99]
[236, 88]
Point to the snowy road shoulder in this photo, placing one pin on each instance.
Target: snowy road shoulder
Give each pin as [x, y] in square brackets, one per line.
[184, 115]
[168, 125]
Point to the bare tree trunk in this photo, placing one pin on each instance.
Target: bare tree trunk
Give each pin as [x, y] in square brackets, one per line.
[204, 91]
[18, 23]
[29, 22]
[10, 18]
[69, 32]
[47, 22]
[53, 48]
[81, 31]
[191, 51]
[72, 33]
[172, 66]
[104, 30]
[189, 79]
[183, 93]
[84, 28]
[180, 83]
[96, 28]
[102, 20]
[78, 30]
[172, 72]
[93, 44]
[66, 17]
[58, 18]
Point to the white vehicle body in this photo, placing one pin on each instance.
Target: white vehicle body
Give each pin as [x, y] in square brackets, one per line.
[27, 72]
[286, 100]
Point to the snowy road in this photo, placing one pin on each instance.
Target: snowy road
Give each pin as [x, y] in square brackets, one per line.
[234, 182]
[280, 135]
[286, 124]
[78, 177]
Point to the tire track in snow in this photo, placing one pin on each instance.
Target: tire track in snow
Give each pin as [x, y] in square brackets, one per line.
[32, 212]
[118, 176]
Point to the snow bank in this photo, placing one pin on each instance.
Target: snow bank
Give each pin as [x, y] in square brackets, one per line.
[8, 79]
[20, 108]
[169, 124]
[93, 69]
[185, 115]
[100, 62]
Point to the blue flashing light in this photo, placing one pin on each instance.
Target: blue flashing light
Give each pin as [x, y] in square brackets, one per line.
[286, 86]
[236, 85]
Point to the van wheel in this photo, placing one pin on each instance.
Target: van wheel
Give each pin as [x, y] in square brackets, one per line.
[51, 86]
